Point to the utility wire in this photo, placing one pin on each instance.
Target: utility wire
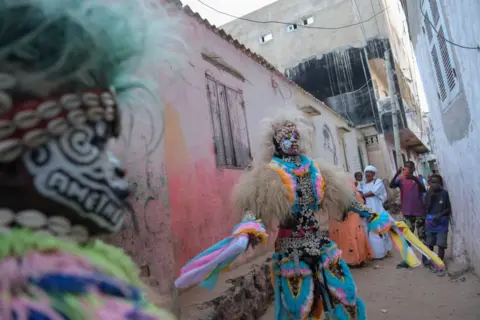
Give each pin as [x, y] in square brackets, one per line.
[433, 27]
[290, 23]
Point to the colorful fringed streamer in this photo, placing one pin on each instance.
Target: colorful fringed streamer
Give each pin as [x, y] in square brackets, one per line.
[44, 278]
[401, 230]
[205, 268]
[401, 236]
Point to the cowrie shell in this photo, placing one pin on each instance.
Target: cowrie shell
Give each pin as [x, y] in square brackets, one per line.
[109, 114]
[10, 150]
[59, 225]
[6, 217]
[77, 117]
[91, 99]
[49, 109]
[5, 102]
[107, 99]
[36, 138]
[95, 114]
[26, 119]
[31, 219]
[6, 128]
[70, 101]
[79, 233]
[57, 127]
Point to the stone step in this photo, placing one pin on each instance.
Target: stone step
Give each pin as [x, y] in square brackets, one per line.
[243, 293]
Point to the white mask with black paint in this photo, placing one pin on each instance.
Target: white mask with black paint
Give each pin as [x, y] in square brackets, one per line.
[80, 174]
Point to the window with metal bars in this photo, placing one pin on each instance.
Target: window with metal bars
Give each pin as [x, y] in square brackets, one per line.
[230, 133]
[441, 52]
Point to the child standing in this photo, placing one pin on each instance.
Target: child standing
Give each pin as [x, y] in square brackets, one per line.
[438, 216]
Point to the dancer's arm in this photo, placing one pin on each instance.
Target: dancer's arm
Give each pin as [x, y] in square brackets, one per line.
[261, 194]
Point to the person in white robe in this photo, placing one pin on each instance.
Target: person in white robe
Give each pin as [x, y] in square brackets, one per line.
[374, 192]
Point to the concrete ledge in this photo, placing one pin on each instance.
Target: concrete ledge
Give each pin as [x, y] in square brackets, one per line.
[244, 293]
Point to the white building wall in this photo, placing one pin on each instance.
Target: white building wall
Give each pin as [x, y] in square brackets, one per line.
[456, 127]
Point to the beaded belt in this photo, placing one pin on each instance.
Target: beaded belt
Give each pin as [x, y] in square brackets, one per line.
[310, 243]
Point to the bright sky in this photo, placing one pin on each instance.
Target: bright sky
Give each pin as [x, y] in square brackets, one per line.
[233, 7]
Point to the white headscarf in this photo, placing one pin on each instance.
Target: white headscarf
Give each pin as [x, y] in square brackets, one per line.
[370, 168]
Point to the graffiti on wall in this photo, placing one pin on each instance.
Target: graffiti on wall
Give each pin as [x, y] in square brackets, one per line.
[329, 143]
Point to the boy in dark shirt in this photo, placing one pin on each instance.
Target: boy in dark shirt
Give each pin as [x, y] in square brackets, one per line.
[438, 216]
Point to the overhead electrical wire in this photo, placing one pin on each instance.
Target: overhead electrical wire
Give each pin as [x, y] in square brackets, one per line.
[436, 31]
[360, 23]
[290, 23]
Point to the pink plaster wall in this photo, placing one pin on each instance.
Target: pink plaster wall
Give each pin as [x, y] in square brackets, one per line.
[181, 199]
[199, 192]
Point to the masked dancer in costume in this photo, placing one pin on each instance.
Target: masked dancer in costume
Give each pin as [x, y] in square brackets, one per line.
[65, 71]
[285, 186]
[289, 187]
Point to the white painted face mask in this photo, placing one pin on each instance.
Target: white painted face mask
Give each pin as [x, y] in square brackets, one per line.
[82, 175]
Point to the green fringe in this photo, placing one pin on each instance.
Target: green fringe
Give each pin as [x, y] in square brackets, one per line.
[108, 259]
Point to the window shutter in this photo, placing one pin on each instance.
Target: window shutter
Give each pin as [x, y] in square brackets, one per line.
[217, 128]
[441, 52]
[238, 123]
[435, 12]
[439, 74]
[225, 125]
[230, 133]
[446, 59]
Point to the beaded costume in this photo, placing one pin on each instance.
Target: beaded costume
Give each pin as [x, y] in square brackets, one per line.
[304, 257]
[66, 67]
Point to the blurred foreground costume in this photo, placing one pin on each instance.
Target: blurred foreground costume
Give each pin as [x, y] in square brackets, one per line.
[66, 69]
[309, 275]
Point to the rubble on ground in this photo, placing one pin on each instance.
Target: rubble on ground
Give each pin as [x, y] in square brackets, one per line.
[247, 298]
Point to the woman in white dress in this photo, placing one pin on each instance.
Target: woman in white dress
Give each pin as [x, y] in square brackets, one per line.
[374, 192]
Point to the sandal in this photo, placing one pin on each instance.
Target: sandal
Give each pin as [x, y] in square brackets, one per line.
[441, 273]
[402, 265]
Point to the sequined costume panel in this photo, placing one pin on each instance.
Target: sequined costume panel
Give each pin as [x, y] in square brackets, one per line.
[309, 276]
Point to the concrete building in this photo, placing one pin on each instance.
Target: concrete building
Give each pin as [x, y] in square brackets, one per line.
[450, 78]
[182, 169]
[335, 50]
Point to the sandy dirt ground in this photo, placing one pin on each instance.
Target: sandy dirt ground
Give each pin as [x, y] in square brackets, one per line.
[392, 294]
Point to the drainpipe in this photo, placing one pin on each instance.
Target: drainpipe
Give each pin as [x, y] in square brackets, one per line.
[394, 104]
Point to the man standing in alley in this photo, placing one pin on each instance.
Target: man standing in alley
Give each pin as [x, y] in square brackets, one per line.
[412, 191]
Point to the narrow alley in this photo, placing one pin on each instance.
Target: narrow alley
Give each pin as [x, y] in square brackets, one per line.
[392, 294]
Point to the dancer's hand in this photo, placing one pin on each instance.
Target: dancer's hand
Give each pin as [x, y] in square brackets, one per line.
[253, 241]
